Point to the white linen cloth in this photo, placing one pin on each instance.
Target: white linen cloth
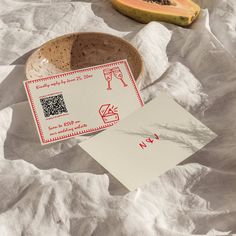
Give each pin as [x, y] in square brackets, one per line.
[60, 190]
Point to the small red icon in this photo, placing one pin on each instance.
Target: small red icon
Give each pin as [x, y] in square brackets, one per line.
[109, 113]
[117, 73]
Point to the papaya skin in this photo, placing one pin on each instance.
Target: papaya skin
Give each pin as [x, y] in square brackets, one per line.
[183, 13]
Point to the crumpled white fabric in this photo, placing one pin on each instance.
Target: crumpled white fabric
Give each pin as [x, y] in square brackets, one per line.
[60, 190]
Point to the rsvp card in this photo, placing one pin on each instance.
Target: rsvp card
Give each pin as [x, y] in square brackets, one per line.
[82, 101]
[148, 142]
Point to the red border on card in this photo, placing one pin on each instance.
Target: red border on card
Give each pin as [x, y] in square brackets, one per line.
[26, 83]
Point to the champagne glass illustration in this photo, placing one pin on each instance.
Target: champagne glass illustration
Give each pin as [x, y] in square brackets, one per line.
[118, 74]
[108, 76]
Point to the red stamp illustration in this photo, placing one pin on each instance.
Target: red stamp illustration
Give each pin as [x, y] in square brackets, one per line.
[109, 113]
[108, 73]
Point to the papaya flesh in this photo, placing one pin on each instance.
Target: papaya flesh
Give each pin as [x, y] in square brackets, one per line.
[179, 12]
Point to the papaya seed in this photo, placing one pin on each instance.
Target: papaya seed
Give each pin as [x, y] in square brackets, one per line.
[161, 2]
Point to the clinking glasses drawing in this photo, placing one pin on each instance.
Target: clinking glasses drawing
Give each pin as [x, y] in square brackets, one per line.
[108, 73]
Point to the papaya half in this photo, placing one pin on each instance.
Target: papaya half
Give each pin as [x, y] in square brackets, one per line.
[179, 12]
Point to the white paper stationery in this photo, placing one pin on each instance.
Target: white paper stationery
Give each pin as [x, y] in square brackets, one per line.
[82, 101]
[148, 142]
